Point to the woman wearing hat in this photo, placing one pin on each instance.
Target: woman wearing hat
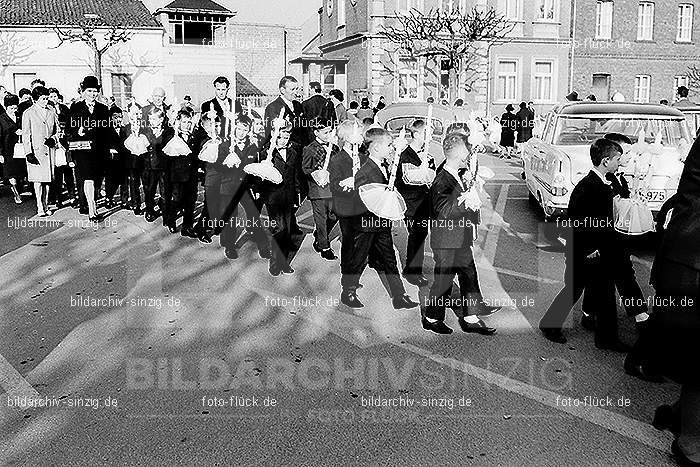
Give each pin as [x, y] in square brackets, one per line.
[39, 136]
[14, 169]
[87, 135]
[509, 123]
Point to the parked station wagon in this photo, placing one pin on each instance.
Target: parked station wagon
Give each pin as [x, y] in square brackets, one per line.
[556, 161]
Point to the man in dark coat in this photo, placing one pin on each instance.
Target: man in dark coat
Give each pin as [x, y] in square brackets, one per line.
[116, 176]
[416, 193]
[64, 173]
[374, 233]
[158, 134]
[318, 110]
[526, 120]
[226, 109]
[590, 252]
[453, 232]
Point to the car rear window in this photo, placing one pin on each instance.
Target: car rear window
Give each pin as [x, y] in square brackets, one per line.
[573, 131]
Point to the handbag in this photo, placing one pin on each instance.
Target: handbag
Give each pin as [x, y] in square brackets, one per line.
[19, 151]
[61, 159]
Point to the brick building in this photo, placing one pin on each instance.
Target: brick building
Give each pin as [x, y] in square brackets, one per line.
[531, 65]
[639, 48]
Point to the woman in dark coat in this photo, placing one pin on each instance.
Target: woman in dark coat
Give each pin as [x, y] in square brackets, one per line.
[509, 123]
[14, 169]
[87, 136]
[669, 344]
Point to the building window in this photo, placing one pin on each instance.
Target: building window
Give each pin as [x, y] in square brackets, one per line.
[448, 6]
[642, 88]
[408, 79]
[679, 81]
[341, 13]
[645, 23]
[545, 10]
[685, 23]
[196, 29]
[330, 75]
[329, 8]
[121, 89]
[405, 6]
[543, 77]
[507, 79]
[603, 19]
[513, 9]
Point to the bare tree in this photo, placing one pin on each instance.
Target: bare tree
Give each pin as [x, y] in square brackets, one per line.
[694, 76]
[88, 33]
[14, 50]
[460, 38]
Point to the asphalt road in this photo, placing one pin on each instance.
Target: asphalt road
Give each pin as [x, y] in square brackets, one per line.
[146, 348]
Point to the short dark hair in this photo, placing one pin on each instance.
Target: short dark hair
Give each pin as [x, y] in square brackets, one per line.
[418, 124]
[375, 134]
[603, 148]
[523, 105]
[23, 92]
[39, 81]
[367, 121]
[287, 79]
[316, 86]
[354, 105]
[663, 102]
[156, 111]
[337, 93]
[454, 140]
[223, 80]
[618, 138]
[39, 91]
[115, 110]
[459, 102]
[54, 91]
[244, 119]
[184, 113]
[682, 91]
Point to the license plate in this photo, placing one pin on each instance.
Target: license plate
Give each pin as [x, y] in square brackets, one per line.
[655, 195]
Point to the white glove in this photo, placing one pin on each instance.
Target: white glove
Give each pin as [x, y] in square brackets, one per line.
[348, 184]
[2, 160]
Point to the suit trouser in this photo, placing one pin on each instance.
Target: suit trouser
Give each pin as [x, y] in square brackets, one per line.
[582, 273]
[380, 246]
[417, 227]
[114, 181]
[448, 263]
[62, 174]
[80, 181]
[174, 202]
[281, 244]
[137, 179]
[631, 294]
[154, 179]
[324, 220]
[189, 201]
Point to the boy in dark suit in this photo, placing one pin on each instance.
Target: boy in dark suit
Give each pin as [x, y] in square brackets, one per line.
[417, 197]
[454, 223]
[590, 254]
[116, 172]
[158, 135]
[313, 160]
[374, 234]
[133, 163]
[346, 204]
[279, 199]
[180, 172]
[317, 109]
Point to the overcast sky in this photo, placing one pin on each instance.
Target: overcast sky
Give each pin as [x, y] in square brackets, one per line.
[288, 12]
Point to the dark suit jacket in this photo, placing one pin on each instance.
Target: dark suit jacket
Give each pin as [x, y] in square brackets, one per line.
[619, 185]
[8, 136]
[370, 172]
[318, 109]
[313, 157]
[131, 162]
[183, 168]
[345, 203]
[220, 112]
[155, 159]
[591, 212]
[96, 126]
[416, 197]
[282, 195]
[681, 240]
[295, 116]
[451, 223]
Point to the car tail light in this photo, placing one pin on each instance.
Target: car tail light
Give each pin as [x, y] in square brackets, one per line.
[559, 191]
